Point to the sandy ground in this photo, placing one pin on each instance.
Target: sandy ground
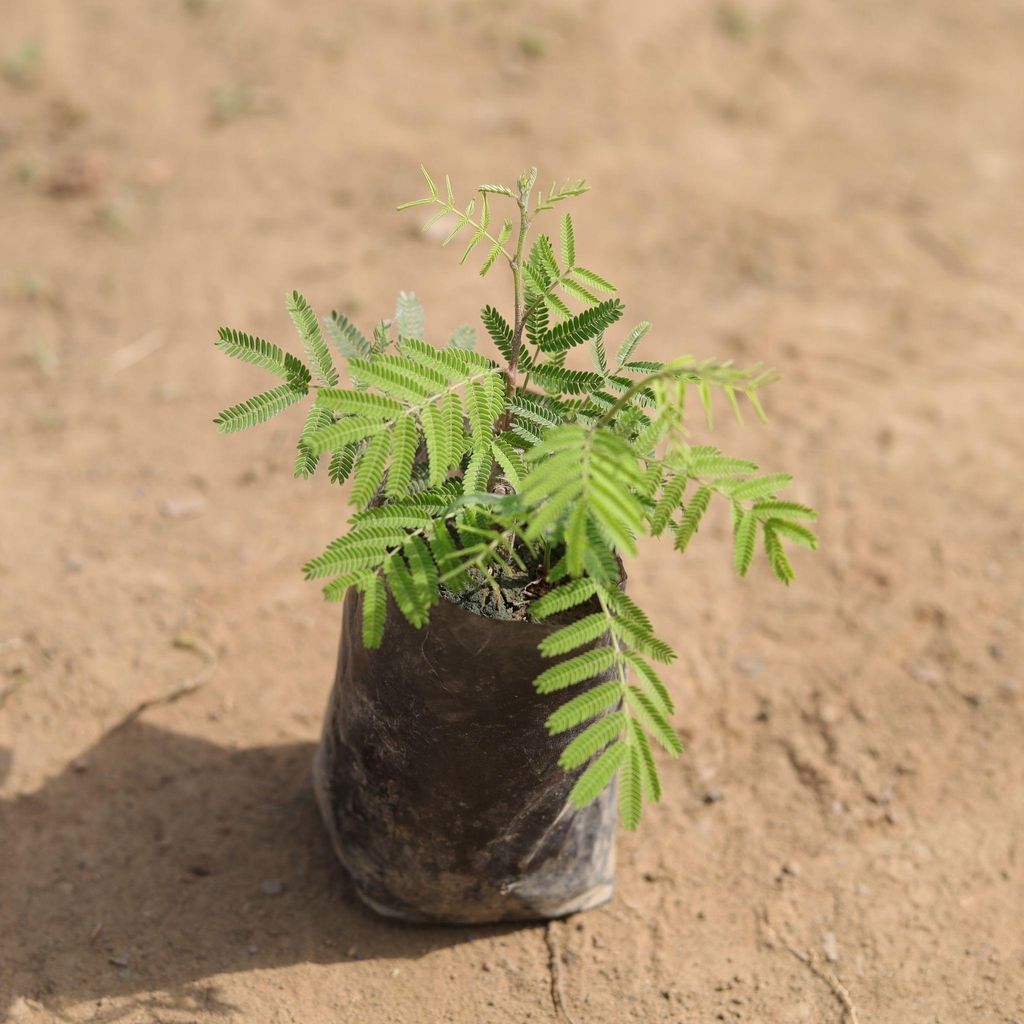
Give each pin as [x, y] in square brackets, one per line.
[833, 187]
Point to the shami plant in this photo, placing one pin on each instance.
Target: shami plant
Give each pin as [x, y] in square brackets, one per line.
[516, 486]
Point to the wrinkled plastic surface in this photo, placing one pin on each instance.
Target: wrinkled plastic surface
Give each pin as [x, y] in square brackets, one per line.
[439, 784]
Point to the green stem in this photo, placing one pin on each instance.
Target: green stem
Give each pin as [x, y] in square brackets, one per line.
[517, 276]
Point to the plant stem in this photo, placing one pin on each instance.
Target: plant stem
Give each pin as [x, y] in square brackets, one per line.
[638, 386]
[517, 276]
[519, 319]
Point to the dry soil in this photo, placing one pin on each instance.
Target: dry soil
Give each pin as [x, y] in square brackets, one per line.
[834, 188]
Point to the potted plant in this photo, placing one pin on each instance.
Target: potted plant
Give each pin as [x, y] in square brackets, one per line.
[497, 694]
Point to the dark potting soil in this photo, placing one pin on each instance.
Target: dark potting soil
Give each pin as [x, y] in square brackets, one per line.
[500, 597]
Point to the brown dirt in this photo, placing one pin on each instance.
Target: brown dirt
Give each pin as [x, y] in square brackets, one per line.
[834, 188]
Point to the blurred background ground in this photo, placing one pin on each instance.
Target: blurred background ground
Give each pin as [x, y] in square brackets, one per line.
[833, 188]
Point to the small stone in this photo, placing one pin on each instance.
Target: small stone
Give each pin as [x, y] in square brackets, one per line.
[712, 796]
[80, 765]
[271, 887]
[830, 947]
[118, 961]
[792, 868]
[253, 950]
[182, 506]
[927, 672]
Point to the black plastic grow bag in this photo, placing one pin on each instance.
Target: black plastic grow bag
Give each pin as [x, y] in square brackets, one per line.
[438, 782]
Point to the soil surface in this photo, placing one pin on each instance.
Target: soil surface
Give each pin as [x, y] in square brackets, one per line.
[834, 188]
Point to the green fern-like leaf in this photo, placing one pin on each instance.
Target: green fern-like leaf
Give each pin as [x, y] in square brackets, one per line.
[359, 403]
[547, 413]
[338, 588]
[763, 487]
[558, 193]
[455, 426]
[596, 778]
[568, 238]
[558, 380]
[413, 602]
[478, 408]
[438, 443]
[497, 247]
[777, 557]
[478, 472]
[405, 441]
[592, 280]
[259, 408]
[654, 687]
[342, 461]
[511, 462]
[542, 262]
[576, 634]
[402, 377]
[374, 610]
[537, 320]
[633, 339]
[409, 316]
[671, 496]
[596, 468]
[791, 511]
[631, 789]
[581, 328]
[348, 339]
[308, 327]
[583, 707]
[567, 596]
[596, 737]
[744, 540]
[498, 330]
[370, 469]
[577, 291]
[575, 670]
[250, 349]
[463, 337]
[796, 532]
[650, 783]
[652, 719]
[692, 516]
[447, 558]
[337, 435]
[422, 568]
[351, 553]
[306, 460]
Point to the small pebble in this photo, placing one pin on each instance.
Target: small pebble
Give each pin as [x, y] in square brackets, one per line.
[927, 672]
[791, 867]
[830, 947]
[118, 961]
[182, 506]
[271, 887]
[253, 950]
[712, 796]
